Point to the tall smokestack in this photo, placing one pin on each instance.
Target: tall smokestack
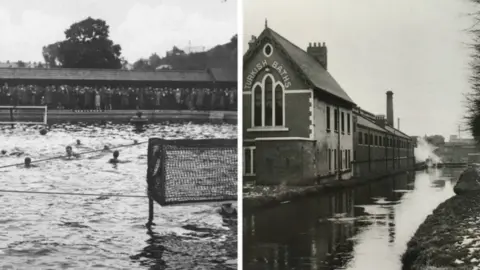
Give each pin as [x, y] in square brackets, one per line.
[398, 123]
[390, 118]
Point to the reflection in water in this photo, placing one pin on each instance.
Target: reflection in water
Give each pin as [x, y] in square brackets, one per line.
[366, 227]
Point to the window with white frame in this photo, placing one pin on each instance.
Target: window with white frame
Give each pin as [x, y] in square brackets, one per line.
[268, 103]
[248, 161]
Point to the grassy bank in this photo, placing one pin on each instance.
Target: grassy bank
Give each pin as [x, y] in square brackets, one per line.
[449, 238]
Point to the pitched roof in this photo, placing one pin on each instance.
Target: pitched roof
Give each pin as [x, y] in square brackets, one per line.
[369, 124]
[397, 132]
[311, 68]
[105, 75]
[224, 75]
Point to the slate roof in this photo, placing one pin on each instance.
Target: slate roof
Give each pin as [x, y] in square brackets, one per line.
[320, 78]
[224, 75]
[369, 124]
[366, 121]
[105, 75]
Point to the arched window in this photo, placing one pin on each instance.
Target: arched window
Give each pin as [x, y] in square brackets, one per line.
[278, 105]
[257, 106]
[268, 103]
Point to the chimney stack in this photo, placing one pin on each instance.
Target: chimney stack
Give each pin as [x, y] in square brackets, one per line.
[398, 123]
[319, 52]
[390, 117]
[380, 120]
[252, 42]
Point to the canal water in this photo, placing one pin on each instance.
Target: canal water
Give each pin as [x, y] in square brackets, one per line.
[42, 231]
[362, 228]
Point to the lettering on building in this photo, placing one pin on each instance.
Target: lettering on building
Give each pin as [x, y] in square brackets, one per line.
[249, 80]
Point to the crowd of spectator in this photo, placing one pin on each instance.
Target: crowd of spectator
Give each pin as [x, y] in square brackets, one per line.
[118, 98]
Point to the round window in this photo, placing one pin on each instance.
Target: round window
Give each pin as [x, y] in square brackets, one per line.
[268, 50]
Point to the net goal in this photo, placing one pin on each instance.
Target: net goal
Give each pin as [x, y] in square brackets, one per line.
[189, 171]
[25, 115]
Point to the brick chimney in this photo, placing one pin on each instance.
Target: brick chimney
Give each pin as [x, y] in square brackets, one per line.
[380, 120]
[390, 117]
[252, 42]
[319, 52]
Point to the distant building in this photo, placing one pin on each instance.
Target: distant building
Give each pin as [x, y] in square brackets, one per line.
[456, 150]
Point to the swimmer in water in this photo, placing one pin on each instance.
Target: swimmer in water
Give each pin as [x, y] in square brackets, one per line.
[79, 142]
[228, 211]
[15, 152]
[115, 160]
[3, 152]
[70, 152]
[28, 163]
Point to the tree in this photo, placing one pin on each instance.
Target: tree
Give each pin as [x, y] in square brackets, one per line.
[154, 61]
[473, 97]
[86, 45]
[142, 65]
[21, 64]
[51, 55]
[436, 140]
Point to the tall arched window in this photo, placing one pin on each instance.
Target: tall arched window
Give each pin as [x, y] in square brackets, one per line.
[257, 106]
[278, 105]
[268, 103]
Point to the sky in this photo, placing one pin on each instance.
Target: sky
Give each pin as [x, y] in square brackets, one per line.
[141, 27]
[417, 49]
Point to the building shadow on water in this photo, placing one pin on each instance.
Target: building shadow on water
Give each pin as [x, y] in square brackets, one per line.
[319, 232]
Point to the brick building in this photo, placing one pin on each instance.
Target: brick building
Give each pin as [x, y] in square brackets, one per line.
[380, 148]
[297, 119]
[299, 124]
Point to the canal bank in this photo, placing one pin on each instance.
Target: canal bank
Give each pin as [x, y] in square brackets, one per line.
[120, 116]
[255, 196]
[363, 227]
[449, 237]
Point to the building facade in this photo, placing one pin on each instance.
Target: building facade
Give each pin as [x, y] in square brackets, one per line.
[298, 126]
[380, 148]
[301, 128]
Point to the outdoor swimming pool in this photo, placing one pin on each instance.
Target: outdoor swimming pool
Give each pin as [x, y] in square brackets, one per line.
[78, 232]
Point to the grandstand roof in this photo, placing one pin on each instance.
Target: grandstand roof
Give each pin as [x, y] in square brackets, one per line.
[224, 75]
[105, 75]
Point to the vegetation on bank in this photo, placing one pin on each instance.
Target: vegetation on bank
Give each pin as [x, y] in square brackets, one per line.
[449, 238]
[473, 97]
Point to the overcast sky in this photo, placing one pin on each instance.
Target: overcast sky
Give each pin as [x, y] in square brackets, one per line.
[417, 49]
[141, 27]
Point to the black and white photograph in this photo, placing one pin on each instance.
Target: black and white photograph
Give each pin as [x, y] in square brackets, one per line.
[361, 134]
[118, 134]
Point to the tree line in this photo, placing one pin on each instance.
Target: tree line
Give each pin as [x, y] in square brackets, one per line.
[87, 44]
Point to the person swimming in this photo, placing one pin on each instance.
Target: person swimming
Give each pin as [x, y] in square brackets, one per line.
[3, 152]
[28, 163]
[79, 142]
[115, 160]
[15, 152]
[70, 152]
[228, 211]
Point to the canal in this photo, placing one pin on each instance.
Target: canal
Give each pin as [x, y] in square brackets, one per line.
[362, 228]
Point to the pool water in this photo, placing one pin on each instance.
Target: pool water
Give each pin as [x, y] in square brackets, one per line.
[45, 231]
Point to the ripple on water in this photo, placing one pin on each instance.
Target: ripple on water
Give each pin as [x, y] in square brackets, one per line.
[104, 232]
